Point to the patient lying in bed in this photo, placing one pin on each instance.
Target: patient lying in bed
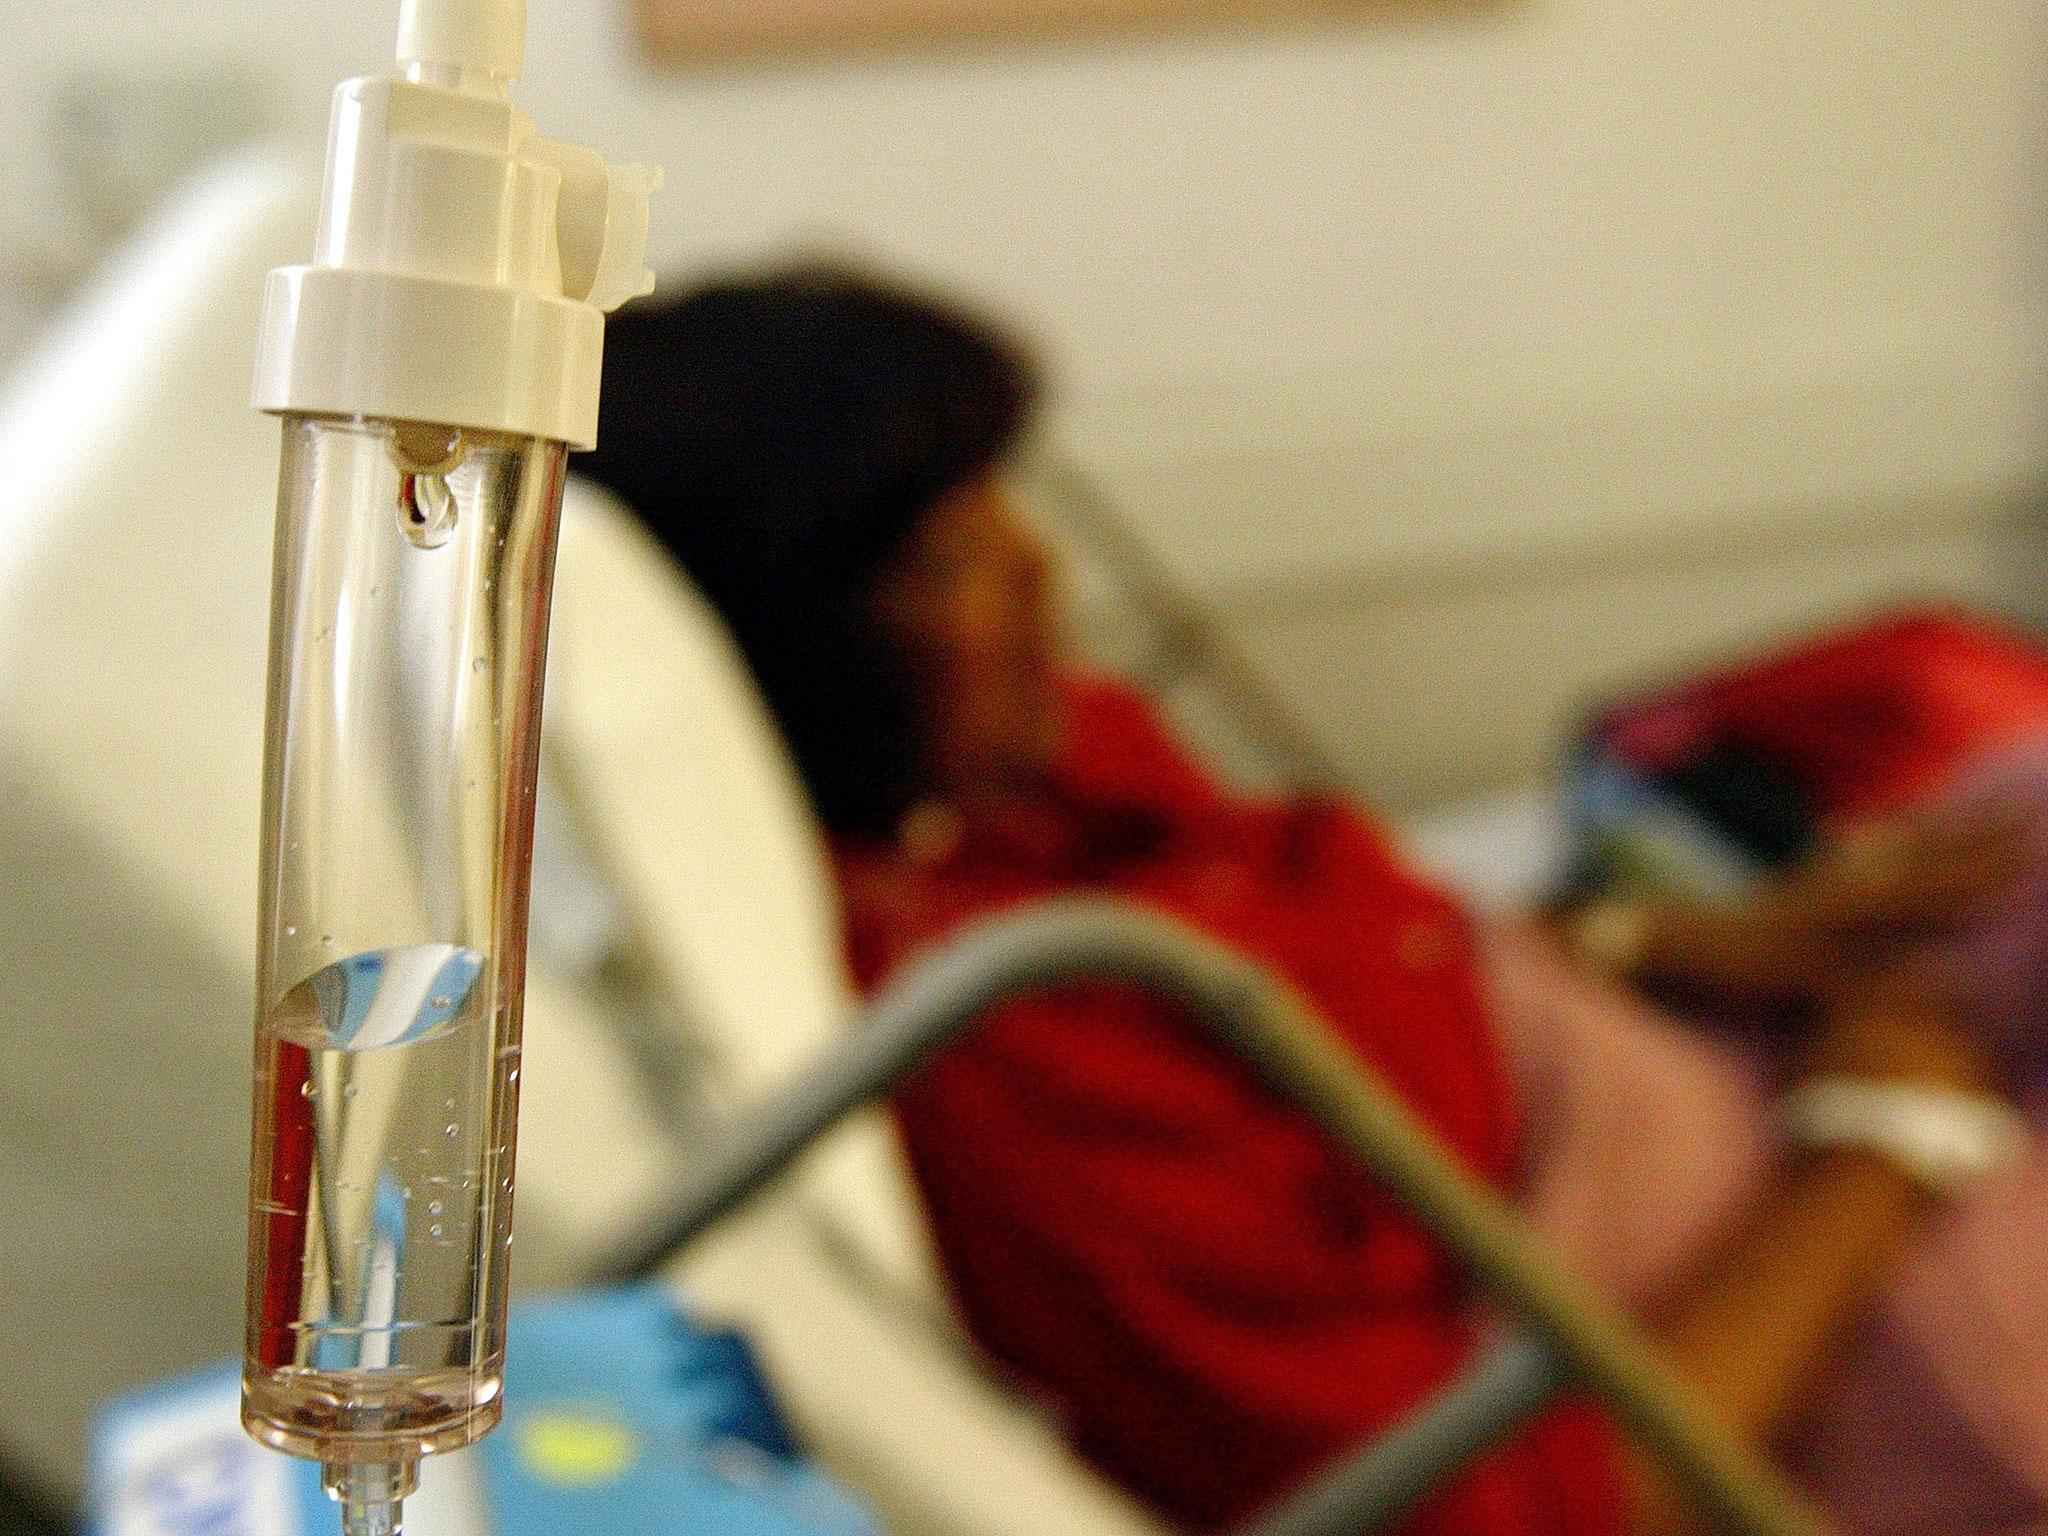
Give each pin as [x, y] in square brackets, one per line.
[1207, 1293]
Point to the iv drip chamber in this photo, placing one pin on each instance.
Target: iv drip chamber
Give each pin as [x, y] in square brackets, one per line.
[432, 367]
[406, 636]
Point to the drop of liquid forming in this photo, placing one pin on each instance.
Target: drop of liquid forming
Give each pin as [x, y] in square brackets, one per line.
[426, 510]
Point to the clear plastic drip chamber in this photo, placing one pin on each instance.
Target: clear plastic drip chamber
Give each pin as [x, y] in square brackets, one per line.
[432, 364]
[407, 635]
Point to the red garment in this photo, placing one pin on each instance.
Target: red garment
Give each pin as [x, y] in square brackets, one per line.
[1202, 1287]
[1868, 720]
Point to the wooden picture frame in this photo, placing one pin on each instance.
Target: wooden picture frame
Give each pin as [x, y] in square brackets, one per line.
[682, 32]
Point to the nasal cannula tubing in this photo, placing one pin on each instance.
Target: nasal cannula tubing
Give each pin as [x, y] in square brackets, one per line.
[432, 367]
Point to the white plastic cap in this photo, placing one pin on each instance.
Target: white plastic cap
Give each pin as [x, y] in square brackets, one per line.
[469, 37]
[463, 266]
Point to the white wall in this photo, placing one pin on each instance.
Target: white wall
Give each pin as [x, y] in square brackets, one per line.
[1334, 305]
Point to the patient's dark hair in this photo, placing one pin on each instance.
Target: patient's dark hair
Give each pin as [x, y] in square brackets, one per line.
[783, 435]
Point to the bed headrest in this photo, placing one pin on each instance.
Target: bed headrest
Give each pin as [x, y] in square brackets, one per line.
[134, 571]
[135, 536]
[680, 782]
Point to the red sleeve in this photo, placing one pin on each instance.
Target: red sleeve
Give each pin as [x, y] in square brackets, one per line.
[1179, 1266]
[1205, 1289]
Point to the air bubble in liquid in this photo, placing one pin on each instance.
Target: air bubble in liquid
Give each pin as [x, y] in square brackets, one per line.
[380, 998]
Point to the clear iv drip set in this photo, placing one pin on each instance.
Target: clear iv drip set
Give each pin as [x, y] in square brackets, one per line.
[432, 366]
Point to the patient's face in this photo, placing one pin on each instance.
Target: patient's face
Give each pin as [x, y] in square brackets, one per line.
[971, 603]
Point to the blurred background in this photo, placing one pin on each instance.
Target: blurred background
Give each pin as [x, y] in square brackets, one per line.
[1442, 368]
[1481, 355]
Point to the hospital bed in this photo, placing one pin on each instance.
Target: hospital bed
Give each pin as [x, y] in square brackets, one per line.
[134, 572]
[135, 532]
[686, 963]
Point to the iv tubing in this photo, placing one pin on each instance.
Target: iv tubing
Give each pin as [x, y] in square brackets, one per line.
[1575, 1336]
[370, 1495]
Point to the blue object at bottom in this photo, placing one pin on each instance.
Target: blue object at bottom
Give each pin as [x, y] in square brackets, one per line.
[622, 1417]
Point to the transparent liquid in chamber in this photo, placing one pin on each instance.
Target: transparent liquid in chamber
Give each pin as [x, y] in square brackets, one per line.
[379, 1096]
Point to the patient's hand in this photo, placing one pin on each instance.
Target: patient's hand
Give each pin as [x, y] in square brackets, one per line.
[1837, 920]
[1860, 906]
[1903, 1023]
